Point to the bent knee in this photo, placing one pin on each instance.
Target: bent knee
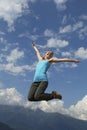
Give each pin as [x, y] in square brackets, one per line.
[37, 97]
[30, 98]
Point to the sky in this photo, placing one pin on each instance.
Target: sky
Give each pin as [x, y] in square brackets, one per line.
[57, 25]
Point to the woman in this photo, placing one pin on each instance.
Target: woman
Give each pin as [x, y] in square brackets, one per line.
[40, 81]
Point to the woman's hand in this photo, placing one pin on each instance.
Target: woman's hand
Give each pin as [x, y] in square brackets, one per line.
[77, 61]
[33, 44]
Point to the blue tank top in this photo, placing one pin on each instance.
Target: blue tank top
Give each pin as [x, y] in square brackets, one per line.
[41, 69]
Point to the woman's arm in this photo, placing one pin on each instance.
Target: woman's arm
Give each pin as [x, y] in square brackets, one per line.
[55, 60]
[37, 51]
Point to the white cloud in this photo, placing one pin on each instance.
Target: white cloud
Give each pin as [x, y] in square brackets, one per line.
[33, 1]
[64, 20]
[82, 32]
[81, 53]
[11, 96]
[11, 68]
[66, 54]
[48, 33]
[71, 28]
[10, 63]
[66, 29]
[2, 40]
[16, 70]
[15, 55]
[83, 17]
[2, 33]
[65, 65]
[54, 42]
[51, 106]
[30, 36]
[10, 10]
[77, 26]
[80, 109]
[1, 57]
[60, 4]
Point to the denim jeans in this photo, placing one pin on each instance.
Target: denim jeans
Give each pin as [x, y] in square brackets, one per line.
[36, 92]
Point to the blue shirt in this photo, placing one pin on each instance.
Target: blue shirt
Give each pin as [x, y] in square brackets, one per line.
[41, 69]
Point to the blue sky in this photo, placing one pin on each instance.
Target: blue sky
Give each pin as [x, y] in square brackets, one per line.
[57, 25]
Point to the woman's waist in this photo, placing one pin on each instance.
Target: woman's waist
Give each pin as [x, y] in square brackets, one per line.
[41, 77]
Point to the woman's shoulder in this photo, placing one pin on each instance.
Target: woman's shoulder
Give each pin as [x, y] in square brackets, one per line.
[51, 60]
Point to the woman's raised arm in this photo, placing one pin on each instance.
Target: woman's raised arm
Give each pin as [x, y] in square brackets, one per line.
[37, 51]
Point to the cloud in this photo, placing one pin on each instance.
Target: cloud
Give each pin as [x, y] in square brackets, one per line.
[12, 69]
[15, 55]
[71, 28]
[16, 69]
[32, 1]
[48, 33]
[83, 32]
[77, 26]
[10, 10]
[67, 53]
[81, 53]
[30, 36]
[10, 63]
[51, 106]
[2, 33]
[64, 20]
[60, 4]
[54, 42]
[62, 66]
[2, 40]
[66, 29]
[83, 17]
[11, 96]
[80, 109]
[1, 57]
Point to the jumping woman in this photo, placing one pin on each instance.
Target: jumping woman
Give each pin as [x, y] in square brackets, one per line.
[40, 81]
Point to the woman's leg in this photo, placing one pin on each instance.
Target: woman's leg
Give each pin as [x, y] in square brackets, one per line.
[32, 91]
[40, 95]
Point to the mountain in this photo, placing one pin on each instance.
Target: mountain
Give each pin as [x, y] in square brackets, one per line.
[4, 127]
[21, 118]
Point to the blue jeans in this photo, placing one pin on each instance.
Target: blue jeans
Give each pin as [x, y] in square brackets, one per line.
[37, 90]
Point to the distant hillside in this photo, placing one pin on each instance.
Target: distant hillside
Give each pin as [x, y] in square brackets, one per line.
[4, 127]
[20, 118]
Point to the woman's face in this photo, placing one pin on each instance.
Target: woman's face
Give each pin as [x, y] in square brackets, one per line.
[48, 54]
